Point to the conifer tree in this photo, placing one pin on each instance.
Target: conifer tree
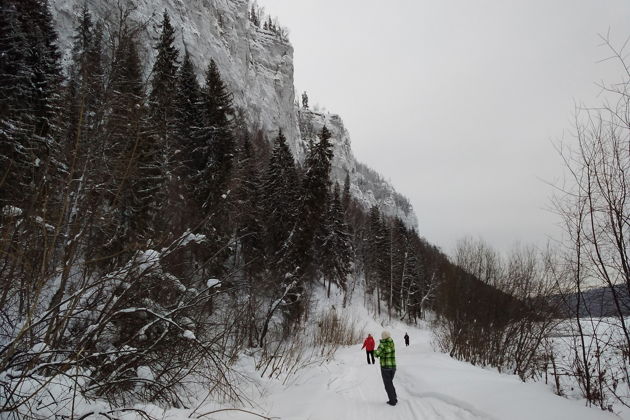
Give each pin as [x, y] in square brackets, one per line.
[250, 233]
[376, 258]
[304, 100]
[410, 288]
[187, 117]
[335, 247]
[82, 128]
[346, 196]
[214, 139]
[164, 82]
[253, 16]
[29, 108]
[247, 206]
[84, 92]
[15, 92]
[133, 160]
[162, 102]
[187, 164]
[279, 196]
[399, 254]
[43, 58]
[314, 199]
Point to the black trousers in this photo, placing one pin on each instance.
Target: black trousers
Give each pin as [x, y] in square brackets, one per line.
[388, 381]
[369, 353]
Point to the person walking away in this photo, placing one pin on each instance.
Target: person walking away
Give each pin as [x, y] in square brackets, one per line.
[368, 345]
[386, 353]
[406, 339]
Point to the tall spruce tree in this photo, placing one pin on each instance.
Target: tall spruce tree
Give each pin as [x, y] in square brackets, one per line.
[219, 112]
[162, 104]
[15, 93]
[84, 94]
[133, 154]
[187, 120]
[186, 162]
[334, 244]
[83, 133]
[314, 199]
[250, 234]
[376, 255]
[399, 253]
[29, 108]
[279, 197]
[313, 203]
[346, 196]
[247, 206]
[214, 141]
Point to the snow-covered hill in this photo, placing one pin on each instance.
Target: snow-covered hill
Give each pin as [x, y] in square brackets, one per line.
[258, 67]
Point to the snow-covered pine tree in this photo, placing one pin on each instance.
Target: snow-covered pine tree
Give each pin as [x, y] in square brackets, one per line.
[15, 93]
[248, 217]
[279, 197]
[314, 199]
[254, 17]
[187, 119]
[304, 100]
[214, 140]
[83, 104]
[31, 162]
[346, 196]
[313, 203]
[162, 103]
[31, 81]
[247, 200]
[133, 155]
[81, 135]
[187, 163]
[376, 255]
[334, 244]
[399, 255]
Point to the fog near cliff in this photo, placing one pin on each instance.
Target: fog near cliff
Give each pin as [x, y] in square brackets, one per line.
[458, 102]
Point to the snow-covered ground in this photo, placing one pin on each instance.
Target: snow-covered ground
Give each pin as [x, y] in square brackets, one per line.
[430, 386]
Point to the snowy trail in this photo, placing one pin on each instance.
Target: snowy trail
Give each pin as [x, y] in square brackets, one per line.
[430, 386]
[355, 392]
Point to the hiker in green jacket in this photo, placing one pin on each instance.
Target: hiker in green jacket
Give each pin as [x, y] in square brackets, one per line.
[387, 356]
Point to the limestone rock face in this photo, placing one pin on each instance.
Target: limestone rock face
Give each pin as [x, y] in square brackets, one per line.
[256, 64]
[367, 185]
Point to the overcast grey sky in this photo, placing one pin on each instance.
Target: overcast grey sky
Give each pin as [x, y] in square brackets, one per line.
[457, 102]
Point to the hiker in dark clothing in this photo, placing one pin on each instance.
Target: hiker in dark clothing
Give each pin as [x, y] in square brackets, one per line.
[368, 345]
[406, 339]
[387, 355]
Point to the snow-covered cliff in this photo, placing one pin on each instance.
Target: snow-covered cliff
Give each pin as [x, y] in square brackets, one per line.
[258, 67]
[367, 186]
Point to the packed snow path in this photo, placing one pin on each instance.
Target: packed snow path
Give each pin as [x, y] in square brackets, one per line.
[430, 386]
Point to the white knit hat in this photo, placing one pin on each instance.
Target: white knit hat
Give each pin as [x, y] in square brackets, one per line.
[385, 334]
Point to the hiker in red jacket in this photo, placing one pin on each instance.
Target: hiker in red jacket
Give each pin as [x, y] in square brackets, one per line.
[368, 345]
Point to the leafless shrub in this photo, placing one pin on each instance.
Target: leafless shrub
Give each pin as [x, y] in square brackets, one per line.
[511, 321]
[335, 330]
[593, 205]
